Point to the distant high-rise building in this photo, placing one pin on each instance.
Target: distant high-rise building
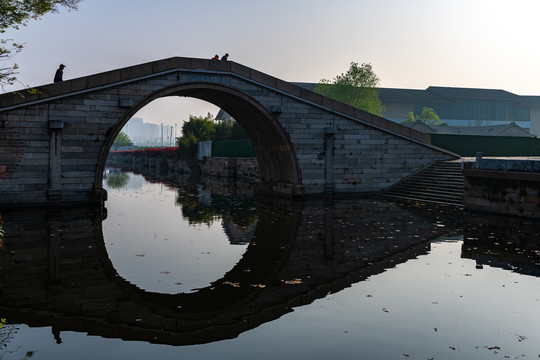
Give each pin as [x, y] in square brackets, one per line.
[148, 134]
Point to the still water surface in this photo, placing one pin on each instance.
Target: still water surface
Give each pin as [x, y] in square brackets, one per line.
[178, 272]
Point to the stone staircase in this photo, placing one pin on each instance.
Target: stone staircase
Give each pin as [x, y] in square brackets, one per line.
[440, 183]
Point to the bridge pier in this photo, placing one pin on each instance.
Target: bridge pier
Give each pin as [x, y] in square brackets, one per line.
[329, 185]
[54, 192]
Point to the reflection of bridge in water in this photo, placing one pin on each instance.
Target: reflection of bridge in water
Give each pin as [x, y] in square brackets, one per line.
[509, 243]
[56, 271]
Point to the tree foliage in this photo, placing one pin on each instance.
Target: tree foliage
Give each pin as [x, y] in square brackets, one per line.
[13, 15]
[357, 87]
[427, 116]
[187, 146]
[200, 128]
[122, 139]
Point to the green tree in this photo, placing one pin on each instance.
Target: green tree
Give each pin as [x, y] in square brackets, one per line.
[223, 129]
[427, 116]
[357, 87]
[187, 146]
[121, 140]
[200, 128]
[197, 129]
[203, 128]
[237, 132]
[16, 13]
[229, 130]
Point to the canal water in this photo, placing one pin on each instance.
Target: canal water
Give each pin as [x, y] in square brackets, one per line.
[172, 269]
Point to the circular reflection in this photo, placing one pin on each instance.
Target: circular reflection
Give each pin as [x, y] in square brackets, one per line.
[160, 247]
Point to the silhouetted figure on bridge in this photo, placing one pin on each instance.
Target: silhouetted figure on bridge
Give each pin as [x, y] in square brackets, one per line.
[225, 57]
[216, 57]
[59, 73]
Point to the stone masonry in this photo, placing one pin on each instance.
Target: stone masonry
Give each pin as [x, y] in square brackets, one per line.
[54, 144]
[503, 186]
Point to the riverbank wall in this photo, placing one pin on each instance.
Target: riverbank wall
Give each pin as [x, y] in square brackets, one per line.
[245, 168]
[223, 167]
[503, 186]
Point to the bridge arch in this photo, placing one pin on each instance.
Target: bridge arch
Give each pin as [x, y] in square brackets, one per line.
[305, 144]
[273, 148]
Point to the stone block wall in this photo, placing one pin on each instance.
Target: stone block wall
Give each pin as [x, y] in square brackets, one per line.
[505, 192]
[246, 168]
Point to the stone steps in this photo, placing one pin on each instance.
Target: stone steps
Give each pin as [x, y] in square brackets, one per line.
[441, 183]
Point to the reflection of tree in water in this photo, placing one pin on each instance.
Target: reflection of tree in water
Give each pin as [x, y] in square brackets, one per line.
[241, 211]
[7, 332]
[116, 179]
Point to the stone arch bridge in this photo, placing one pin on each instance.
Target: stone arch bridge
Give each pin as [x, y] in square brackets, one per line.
[54, 144]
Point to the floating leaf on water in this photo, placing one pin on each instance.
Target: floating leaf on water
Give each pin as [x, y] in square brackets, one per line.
[258, 285]
[293, 281]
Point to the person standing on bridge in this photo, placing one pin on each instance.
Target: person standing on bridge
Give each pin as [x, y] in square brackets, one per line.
[225, 57]
[216, 57]
[59, 73]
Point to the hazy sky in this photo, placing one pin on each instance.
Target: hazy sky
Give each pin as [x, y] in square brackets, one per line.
[410, 43]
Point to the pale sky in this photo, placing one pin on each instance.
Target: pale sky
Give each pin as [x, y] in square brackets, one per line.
[410, 43]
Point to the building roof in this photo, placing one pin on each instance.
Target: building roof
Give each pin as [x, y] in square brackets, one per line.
[223, 115]
[511, 129]
[440, 94]
[454, 93]
[411, 96]
[308, 86]
[532, 100]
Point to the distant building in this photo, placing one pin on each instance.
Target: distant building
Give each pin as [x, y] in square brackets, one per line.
[148, 134]
[223, 115]
[461, 107]
[491, 130]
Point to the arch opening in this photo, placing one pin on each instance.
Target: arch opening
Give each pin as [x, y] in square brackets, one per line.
[274, 152]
